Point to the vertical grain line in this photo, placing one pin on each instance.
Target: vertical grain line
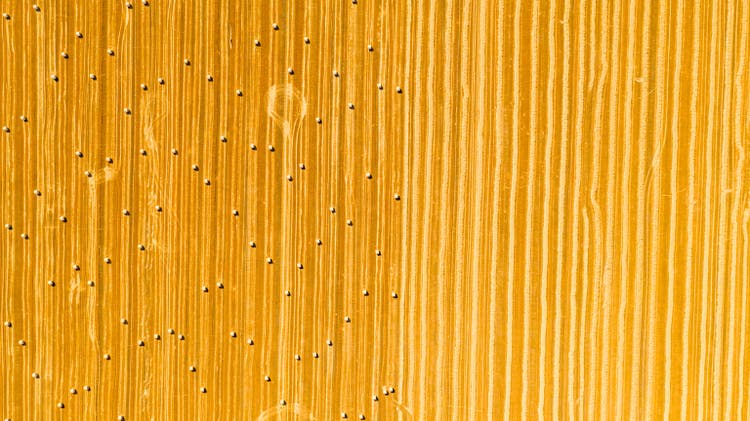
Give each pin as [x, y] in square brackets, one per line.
[531, 177]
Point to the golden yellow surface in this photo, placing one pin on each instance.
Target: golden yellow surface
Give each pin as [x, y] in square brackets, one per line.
[570, 239]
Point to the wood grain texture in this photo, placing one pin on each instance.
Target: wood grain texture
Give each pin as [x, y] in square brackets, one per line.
[390, 209]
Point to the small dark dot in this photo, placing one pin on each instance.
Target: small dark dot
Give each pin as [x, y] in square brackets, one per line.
[394, 295]
[9, 227]
[142, 152]
[336, 73]
[206, 181]
[90, 283]
[88, 173]
[64, 55]
[37, 193]
[365, 292]
[87, 388]
[269, 260]
[60, 405]
[51, 283]
[192, 369]
[370, 48]
[349, 222]
[170, 331]
[209, 78]
[157, 337]
[307, 40]
[141, 247]
[271, 148]
[275, 27]
[127, 111]
[125, 212]
[396, 197]
[347, 319]
[368, 175]
[302, 166]
[319, 242]
[144, 87]
[223, 139]
[6, 129]
[233, 334]
[318, 120]
[378, 253]
[129, 5]
[235, 212]
[37, 8]
[398, 89]
[157, 208]
[267, 378]
[299, 266]
[145, 3]
[174, 151]
[257, 43]
[289, 178]
[25, 236]
[107, 357]
[203, 390]
[54, 78]
[219, 285]
[109, 160]
[195, 167]
[250, 342]
[76, 267]
[6, 16]
[253, 147]
[380, 86]
[92, 76]
[238, 92]
[187, 62]
[204, 288]
[329, 342]
[351, 106]
[332, 209]
[252, 244]
[110, 51]
[141, 343]
[79, 35]
[160, 81]
[107, 260]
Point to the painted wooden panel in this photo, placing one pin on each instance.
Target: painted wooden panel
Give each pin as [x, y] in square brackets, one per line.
[374, 209]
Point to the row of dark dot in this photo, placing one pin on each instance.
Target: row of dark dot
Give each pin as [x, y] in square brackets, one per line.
[209, 77]
[193, 369]
[128, 5]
